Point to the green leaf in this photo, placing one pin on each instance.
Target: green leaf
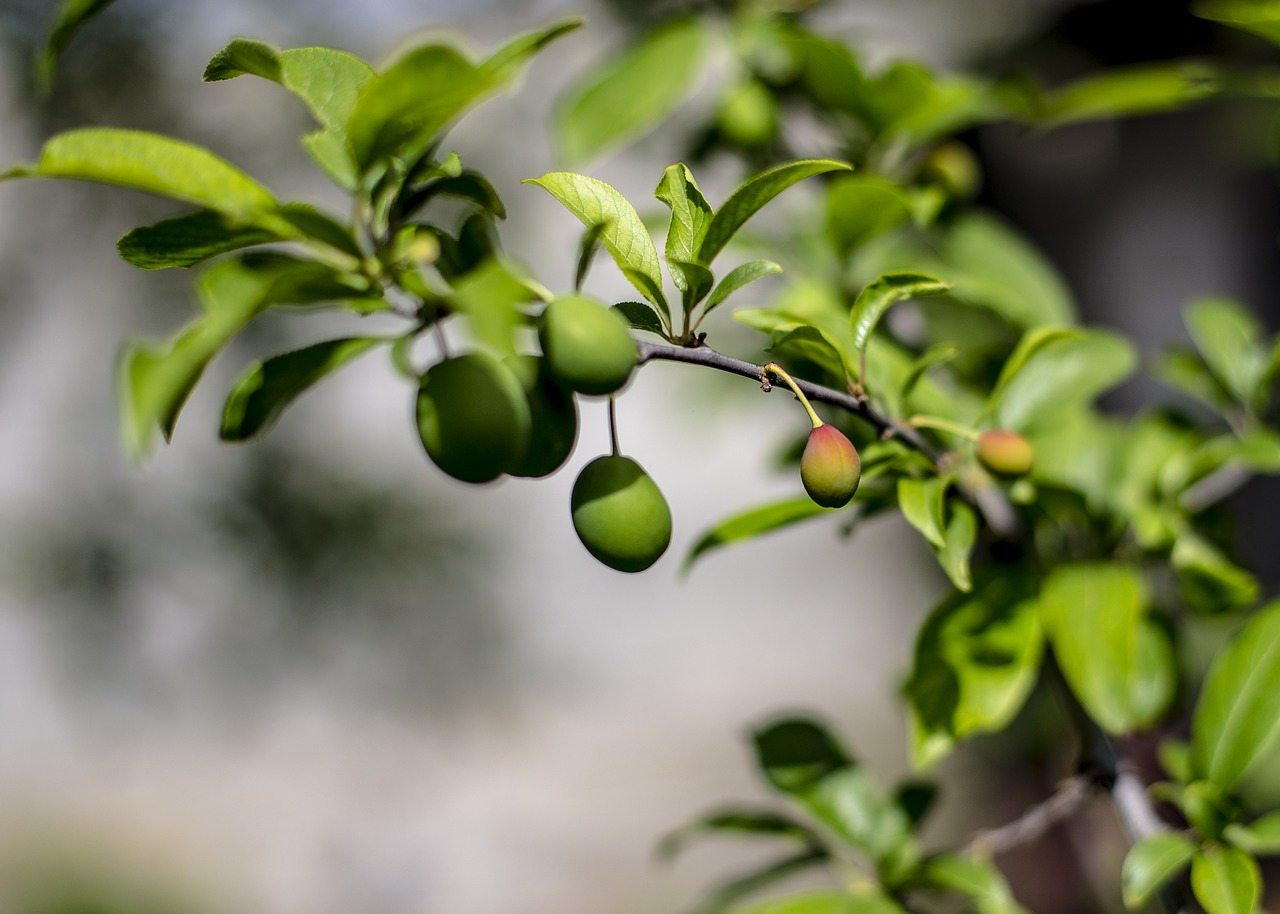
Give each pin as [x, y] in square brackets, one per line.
[1261, 17]
[953, 554]
[641, 317]
[826, 902]
[308, 222]
[977, 657]
[693, 279]
[1261, 836]
[587, 250]
[690, 217]
[1226, 880]
[1185, 372]
[923, 504]
[737, 278]
[241, 56]
[1151, 863]
[861, 207]
[624, 235]
[489, 296]
[468, 185]
[632, 93]
[506, 63]
[876, 297]
[1118, 663]
[747, 822]
[154, 164]
[752, 523]
[1237, 718]
[72, 14]
[973, 878]
[401, 112]
[1175, 758]
[929, 359]
[1209, 579]
[1230, 340]
[187, 240]
[261, 394]
[810, 343]
[1127, 91]
[754, 193]
[1056, 370]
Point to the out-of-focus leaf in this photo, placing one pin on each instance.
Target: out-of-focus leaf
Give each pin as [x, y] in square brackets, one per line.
[1126, 91]
[506, 63]
[747, 822]
[1261, 836]
[1185, 372]
[1230, 341]
[752, 523]
[1261, 17]
[1237, 718]
[1175, 758]
[624, 235]
[632, 93]
[1225, 880]
[876, 297]
[1151, 863]
[813, 344]
[953, 554]
[72, 14]
[827, 902]
[930, 358]
[754, 193]
[1118, 663]
[489, 296]
[977, 658]
[264, 391]
[1210, 580]
[977, 879]
[154, 164]
[861, 207]
[923, 504]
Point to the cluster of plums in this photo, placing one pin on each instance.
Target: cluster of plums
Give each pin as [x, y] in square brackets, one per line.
[480, 418]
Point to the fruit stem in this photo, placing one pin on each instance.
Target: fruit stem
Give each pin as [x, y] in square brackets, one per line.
[944, 425]
[441, 339]
[613, 426]
[775, 369]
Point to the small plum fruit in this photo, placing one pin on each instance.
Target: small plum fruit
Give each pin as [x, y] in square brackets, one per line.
[620, 514]
[473, 417]
[830, 467]
[1004, 452]
[587, 345]
[554, 416]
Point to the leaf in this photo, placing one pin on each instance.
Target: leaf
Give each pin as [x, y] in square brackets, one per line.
[264, 391]
[1261, 836]
[953, 554]
[187, 240]
[1185, 372]
[1127, 91]
[737, 278]
[977, 657]
[489, 296]
[752, 523]
[929, 359]
[1237, 718]
[154, 164]
[1226, 880]
[624, 235]
[693, 279]
[631, 93]
[72, 14]
[813, 344]
[861, 207]
[468, 185]
[400, 112]
[1056, 370]
[758, 190]
[826, 902]
[690, 217]
[923, 504]
[1175, 758]
[506, 63]
[641, 317]
[1118, 663]
[1151, 863]
[876, 297]
[310, 223]
[244, 56]
[973, 878]
[1230, 341]
[1209, 579]
[747, 822]
[1261, 17]
[587, 249]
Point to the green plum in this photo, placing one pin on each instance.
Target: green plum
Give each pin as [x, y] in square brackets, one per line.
[620, 514]
[473, 417]
[588, 346]
[830, 467]
[554, 415]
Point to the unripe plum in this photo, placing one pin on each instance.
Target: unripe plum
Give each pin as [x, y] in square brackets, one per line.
[830, 467]
[588, 346]
[620, 514]
[1005, 453]
[473, 417]
[554, 416]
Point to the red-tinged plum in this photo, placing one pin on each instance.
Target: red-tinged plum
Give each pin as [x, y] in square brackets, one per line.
[473, 417]
[620, 514]
[1005, 453]
[588, 346]
[830, 467]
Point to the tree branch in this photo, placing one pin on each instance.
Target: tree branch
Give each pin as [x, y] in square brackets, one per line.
[988, 499]
[1070, 796]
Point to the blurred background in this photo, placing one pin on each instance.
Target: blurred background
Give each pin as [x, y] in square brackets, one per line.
[315, 675]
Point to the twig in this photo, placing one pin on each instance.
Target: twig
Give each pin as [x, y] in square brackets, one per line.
[1065, 802]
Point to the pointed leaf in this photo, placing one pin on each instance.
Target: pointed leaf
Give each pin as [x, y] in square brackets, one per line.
[1261, 17]
[746, 822]
[1126, 91]
[972, 877]
[693, 279]
[738, 277]
[690, 217]
[861, 207]
[154, 164]
[631, 93]
[641, 316]
[1152, 863]
[758, 190]
[953, 554]
[624, 234]
[923, 504]
[1237, 718]
[812, 344]
[1209, 579]
[876, 297]
[726, 896]
[506, 63]
[587, 252]
[1118, 663]
[752, 523]
[827, 902]
[72, 14]
[187, 240]
[1230, 341]
[262, 393]
[1226, 880]
[242, 56]
[1261, 836]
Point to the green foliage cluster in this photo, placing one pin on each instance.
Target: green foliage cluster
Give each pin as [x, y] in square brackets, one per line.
[1082, 548]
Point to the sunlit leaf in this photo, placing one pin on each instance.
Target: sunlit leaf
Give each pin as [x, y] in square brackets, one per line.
[690, 217]
[1152, 863]
[876, 297]
[953, 554]
[1225, 880]
[72, 14]
[1128, 91]
[508, 61]
[737, 278]
[752, 523]
[1230, 341]
[923, 504]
